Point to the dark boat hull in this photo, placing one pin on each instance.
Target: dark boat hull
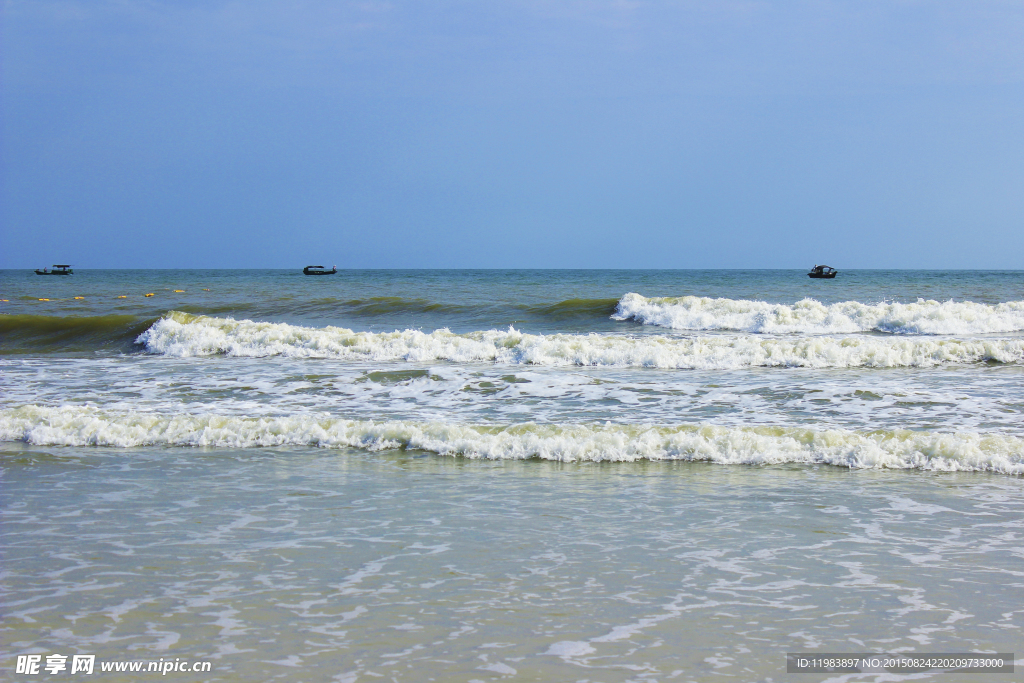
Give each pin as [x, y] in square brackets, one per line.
[822, 276]
[319, 272]
[50, 272]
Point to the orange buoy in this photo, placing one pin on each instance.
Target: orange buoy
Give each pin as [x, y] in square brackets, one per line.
[79, 297]
[151, 294]
[178, 291]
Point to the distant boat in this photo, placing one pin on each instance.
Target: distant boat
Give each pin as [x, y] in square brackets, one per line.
[823, 272]
[318, 270]
[57, 270]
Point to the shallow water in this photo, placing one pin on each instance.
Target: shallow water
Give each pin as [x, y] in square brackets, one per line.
[303, 564]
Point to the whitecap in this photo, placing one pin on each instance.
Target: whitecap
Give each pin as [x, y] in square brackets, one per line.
[768, 445]
[184, 335]
[812, 317]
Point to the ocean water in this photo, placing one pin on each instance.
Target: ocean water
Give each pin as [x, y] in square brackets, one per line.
[511, 475]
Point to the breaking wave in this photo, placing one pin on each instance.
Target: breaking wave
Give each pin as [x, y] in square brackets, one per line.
[574, 308]
[899, 449]
[812, 317]
[52, 333]
[183, 335]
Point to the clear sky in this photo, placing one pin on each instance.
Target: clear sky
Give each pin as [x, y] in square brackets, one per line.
[512, 133]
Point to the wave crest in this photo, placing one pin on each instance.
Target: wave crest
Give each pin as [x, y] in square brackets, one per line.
[35, 333]
[181, 334]
[812, 317]
[900, 449]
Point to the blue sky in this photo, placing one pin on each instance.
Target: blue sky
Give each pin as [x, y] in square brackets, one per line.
[513, 134]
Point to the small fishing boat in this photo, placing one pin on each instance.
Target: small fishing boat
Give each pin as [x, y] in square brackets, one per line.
[57, 270]
[319, 270]
[823, 272]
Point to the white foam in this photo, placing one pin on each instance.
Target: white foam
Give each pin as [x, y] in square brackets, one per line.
[183, 335]
[568, 649]
[810, 316]
[901, 449]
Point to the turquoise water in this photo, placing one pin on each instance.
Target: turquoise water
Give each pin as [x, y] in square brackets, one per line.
[510, 475]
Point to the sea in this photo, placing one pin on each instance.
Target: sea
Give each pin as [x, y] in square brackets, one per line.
[510, 475]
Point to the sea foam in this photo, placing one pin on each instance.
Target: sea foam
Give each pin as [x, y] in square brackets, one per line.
[183, 335]
[900, 449]
[812, 317]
